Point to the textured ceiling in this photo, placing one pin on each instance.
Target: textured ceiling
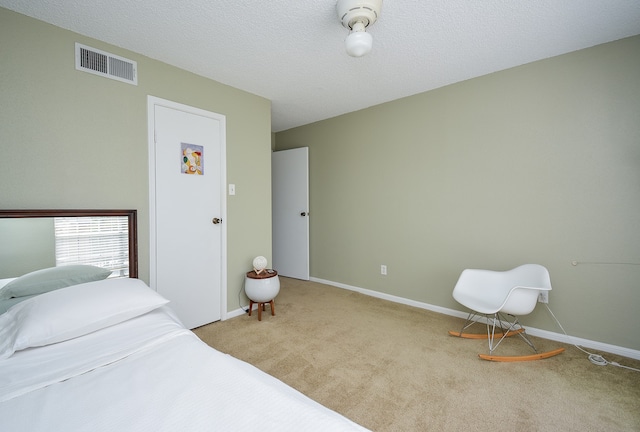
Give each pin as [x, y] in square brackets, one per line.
[292, 51]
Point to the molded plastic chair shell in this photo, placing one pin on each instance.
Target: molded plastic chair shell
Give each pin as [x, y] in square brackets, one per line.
[514, 292]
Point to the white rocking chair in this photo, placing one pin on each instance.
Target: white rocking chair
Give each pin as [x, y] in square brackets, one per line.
[498, 298]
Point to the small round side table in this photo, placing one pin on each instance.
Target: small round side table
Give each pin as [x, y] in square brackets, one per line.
[262, 289]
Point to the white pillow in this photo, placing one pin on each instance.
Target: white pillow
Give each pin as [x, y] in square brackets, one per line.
[53, 278]
[74, 311]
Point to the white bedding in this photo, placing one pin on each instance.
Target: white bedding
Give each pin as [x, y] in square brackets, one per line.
[149, 374]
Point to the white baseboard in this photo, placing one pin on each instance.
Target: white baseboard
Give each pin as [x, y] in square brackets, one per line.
[240, 311]
[585, 343]
[235, 313]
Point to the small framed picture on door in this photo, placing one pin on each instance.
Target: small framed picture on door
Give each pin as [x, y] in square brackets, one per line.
[192, 159]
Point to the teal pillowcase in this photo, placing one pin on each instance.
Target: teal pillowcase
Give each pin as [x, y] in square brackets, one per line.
[49, 279]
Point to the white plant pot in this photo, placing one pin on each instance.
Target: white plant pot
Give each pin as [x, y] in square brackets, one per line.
[262, 290]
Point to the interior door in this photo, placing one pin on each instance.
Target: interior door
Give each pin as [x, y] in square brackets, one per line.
[187, 210]
[290, 207]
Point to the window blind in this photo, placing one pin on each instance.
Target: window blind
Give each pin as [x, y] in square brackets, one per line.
[101, 241]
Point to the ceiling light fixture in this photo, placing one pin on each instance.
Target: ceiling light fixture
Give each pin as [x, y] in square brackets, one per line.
[357, 15]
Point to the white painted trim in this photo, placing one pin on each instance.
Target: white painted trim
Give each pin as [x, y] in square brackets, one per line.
[560, 337]
[152, 101]
[236, 313]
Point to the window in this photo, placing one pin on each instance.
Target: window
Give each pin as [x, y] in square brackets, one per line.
[102, 241]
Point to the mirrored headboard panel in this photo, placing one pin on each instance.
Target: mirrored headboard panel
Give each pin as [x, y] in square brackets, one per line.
[28, 242]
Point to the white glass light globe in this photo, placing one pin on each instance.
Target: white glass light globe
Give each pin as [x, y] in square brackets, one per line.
[259, 263]
[358, 43]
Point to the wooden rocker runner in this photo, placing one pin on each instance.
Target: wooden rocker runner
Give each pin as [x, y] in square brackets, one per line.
[497, 298]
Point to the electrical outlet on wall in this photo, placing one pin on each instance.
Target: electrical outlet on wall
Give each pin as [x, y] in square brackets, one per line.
[383, 269]
[543, 297]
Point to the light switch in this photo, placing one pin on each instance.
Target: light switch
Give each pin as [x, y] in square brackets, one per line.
[232, 189]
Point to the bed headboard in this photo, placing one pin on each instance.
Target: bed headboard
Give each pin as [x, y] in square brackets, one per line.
[9, 233]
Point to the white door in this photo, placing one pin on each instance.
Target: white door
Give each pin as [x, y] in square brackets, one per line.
[187, 210]
[290, 204]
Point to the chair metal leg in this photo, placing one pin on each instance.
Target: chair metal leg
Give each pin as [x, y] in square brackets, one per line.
[469, 322]
[507, 327]
[473, 318]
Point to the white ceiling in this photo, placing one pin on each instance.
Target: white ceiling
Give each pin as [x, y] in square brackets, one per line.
[292, 51]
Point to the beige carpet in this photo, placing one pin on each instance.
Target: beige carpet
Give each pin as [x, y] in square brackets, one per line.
[391, 367]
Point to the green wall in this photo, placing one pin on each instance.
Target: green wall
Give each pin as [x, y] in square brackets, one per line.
[535, 164]
[70, 139]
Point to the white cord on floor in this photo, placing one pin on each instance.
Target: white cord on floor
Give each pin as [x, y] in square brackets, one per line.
[593, 358]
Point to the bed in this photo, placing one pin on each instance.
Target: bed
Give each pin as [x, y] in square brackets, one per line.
[109, 354]
[113, 356]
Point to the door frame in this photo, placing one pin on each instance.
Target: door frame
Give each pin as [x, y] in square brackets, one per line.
[152, 102]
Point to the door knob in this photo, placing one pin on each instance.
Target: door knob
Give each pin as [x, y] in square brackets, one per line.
[304, 214]
[216, 221]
